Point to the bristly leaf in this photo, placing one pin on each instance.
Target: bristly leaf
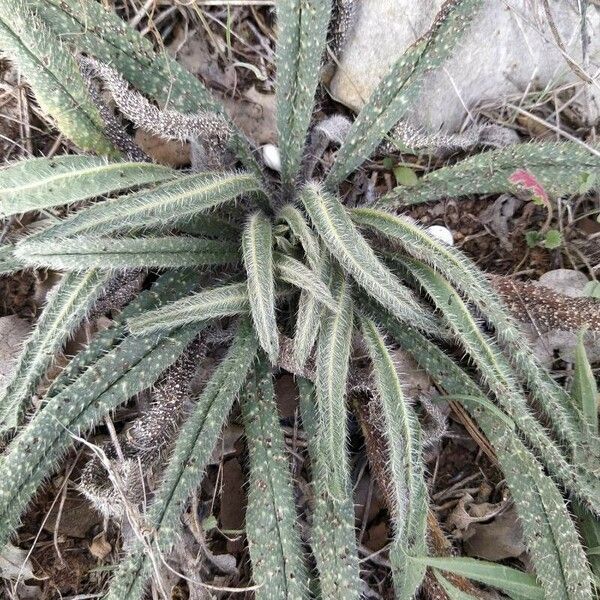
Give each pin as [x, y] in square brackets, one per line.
[219, 302]
[170, 202]
[390, 100]
[53, 75]
[131, 367]
[398, 425]
[8, 262]
[88, 252]
[548, 530]
[88, 28]
[347, 245]
[498, 375]
[561, 168]
[302, 35]
[333, 537]
[584, 387]
[464, 275]
[168, 287]
[67, 306]
[45, 182]
[301, 230]
[193, 449]
[257, 247]
[297, 274]
[308, 319]
[275, 547]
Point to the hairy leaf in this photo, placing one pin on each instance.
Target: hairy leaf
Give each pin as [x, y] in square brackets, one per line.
[170, 202]
[257, 246]
[87, 252]
[8, 262]
[193, 449]
[172, 285]
[400, 429]
[53, 75]
[391, 99]
[547, 527]
[132, 366]
[347, 245]
[302, 35]
[45, 182]
[497, 373]
[333, 537]
[560, 168]
[67, 306]
[219, 302]
[464, 275]
[87, 27]
[274, 542]
[296, 273]
[301, 230]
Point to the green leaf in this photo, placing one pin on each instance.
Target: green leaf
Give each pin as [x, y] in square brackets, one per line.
[507, 579]
[465, 276]
[347, 245]
[558, 167]
[297, 274]
[211, 304]
[170, 202]
[134, 365]
[168, 287]
[533, 238]
[301, 230]
[8, 262]
[45, 182]
[333, 537]
[405, 176]
[257, 246]
[308, 318]
[66, 307]
[302, 35]
[193, 449]
[498, 376]
[591, 289]
[87, 252]
[391, 99]
[53, 74]
[548, 530]
[452, 591]
[273, 539]
[553, 239]
[399, 427]
[589, 525]
[584, 388]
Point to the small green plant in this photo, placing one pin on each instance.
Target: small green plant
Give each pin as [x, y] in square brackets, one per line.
[551, 239]
[304, 280]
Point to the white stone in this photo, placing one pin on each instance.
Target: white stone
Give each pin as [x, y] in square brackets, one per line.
[508, 50]
[441, 233]
[272, 157]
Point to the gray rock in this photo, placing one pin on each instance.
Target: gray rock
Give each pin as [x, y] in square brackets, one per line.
[509, 49]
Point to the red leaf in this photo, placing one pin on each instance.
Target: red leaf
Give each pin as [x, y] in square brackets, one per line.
[528, 180]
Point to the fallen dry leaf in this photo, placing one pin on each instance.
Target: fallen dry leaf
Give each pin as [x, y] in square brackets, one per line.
[499, 539]
[255, 116]
[100, 548]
